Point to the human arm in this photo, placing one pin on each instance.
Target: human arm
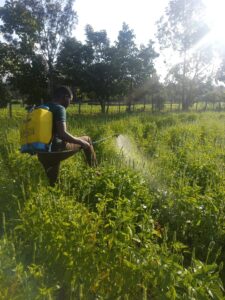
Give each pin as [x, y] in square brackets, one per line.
[64, 135]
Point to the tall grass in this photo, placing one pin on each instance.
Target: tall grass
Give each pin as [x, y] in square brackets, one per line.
[128, 230]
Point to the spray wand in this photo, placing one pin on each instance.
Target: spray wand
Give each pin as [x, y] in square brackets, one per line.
[104, 139]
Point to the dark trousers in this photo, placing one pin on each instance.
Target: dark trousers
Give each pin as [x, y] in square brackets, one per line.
[51, 163]
[51, 160]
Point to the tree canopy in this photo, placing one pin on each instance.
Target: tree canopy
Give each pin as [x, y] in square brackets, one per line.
[39, 51]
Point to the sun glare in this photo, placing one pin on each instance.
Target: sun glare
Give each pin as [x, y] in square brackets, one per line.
[215, 18]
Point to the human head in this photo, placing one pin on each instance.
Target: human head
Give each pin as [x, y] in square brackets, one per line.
[63, 96]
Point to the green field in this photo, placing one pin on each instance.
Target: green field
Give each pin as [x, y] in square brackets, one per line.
[149, 223]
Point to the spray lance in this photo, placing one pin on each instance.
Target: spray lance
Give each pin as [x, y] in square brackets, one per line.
[104, 139]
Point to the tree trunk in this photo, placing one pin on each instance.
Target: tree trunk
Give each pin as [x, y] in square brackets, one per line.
[185, 105]
[102, 103]
[107, 108]
[152, 104]
[196, 106]
[129, 106]
[184, 94]
[50, 78]
[79, 107]
[179, 107]
[10, 108]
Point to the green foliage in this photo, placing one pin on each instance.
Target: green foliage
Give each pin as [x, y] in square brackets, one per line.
[31, 81]
[39, 54]
[105, 72]
[117, 232]
[16, 282]
[34, 31]
[109, 252]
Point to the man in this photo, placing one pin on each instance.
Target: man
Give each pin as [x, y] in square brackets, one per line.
[64, 144]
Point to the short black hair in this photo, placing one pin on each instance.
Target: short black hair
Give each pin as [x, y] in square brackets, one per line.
[62, 92]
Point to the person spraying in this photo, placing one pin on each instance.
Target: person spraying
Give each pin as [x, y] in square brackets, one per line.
[62, 144]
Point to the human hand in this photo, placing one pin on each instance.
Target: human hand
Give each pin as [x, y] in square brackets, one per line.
[85, 145]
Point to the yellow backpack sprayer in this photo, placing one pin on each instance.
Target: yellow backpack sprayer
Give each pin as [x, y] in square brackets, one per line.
[36, 130]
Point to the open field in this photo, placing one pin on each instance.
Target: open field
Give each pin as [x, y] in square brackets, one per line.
[149, 223]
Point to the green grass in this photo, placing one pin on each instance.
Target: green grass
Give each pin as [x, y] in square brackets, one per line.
[149, 230]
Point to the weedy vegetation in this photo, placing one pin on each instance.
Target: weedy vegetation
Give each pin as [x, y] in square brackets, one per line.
[148, 223]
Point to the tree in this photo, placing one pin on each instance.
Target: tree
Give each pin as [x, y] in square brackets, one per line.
[220, 76]
[72, 63]
[99, 76]
[125, 60]
[135, 65]
[6, 63]
[181, 29]
[31, 80]
[38, 26]
[215, 95]
[106, 72]
[145, 78]
[199, 71]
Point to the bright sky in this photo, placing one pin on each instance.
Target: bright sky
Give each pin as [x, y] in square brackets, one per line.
[140, 15]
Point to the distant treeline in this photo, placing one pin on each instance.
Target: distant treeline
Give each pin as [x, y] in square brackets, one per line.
[38, 53]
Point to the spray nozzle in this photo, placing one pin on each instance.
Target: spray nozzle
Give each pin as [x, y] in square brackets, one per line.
[106, 138]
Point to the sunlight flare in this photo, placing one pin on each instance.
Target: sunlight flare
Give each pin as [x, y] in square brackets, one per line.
[215, 19]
